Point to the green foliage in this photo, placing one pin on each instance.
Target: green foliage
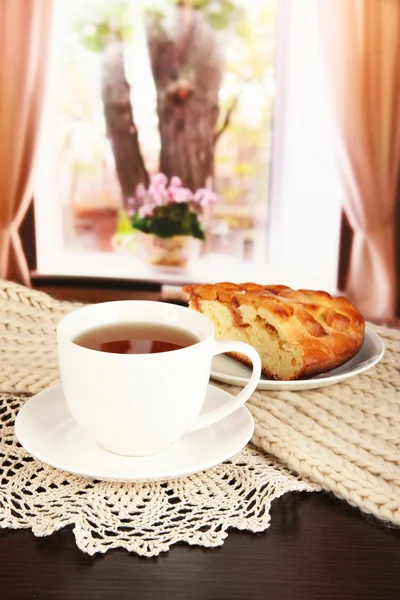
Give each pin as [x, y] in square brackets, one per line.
[170, 220]
[102, 22]
[124, 225]
[220, 14]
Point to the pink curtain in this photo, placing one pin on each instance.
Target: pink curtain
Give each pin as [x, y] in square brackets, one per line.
[24, 34]
[361, 43]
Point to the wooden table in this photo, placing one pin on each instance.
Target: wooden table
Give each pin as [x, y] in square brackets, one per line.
[317, 548]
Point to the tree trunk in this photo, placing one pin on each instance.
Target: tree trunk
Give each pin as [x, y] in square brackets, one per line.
[121, 129]
[187, 66]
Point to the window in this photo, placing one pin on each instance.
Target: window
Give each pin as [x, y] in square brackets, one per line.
[189, 88]
[124, 78]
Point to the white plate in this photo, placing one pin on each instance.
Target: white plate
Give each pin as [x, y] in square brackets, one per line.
[230, 371]
[45, 428]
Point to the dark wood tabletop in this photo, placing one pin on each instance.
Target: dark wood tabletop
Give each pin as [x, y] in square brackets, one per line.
[317, 548]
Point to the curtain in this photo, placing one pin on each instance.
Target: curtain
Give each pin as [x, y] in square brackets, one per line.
[361, 46]
[305, 203]
[24, 35]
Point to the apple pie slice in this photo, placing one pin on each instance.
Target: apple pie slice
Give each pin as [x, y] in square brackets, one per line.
[297, 333]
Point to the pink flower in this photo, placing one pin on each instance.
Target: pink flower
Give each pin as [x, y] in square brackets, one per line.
[158, 193]
[182, 195]
[140, 191]
[205, 197]
[146, 210]
[171, 194]
[175, 182]
[159, 179]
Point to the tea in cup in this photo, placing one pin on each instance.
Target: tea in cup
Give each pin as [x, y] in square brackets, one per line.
[135, 373]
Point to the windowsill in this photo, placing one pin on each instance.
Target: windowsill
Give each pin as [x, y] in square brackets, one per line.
[117, 266]
[208, 269]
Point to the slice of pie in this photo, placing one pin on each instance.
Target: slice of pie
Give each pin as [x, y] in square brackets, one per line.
[297, 333]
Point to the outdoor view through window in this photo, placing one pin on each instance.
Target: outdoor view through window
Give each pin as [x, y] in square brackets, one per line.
[158, 135]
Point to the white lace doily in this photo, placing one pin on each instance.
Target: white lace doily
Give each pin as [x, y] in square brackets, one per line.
[146, 518]
[345, 438]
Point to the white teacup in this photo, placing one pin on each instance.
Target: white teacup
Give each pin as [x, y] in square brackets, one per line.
[139, 404]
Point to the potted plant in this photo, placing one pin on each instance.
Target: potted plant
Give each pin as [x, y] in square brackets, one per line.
[166, 229]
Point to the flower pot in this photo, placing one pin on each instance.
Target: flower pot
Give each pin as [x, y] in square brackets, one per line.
[174, 252]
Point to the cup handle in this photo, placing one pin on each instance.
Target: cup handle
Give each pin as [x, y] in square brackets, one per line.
[228, 408]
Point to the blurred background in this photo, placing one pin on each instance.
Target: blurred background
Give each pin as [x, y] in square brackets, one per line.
[286, 112]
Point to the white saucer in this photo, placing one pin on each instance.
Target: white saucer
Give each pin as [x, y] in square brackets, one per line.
[230, 371]
[45, 428]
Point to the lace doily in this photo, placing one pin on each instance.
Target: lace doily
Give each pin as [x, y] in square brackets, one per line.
[146, 518]
[345, 438]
